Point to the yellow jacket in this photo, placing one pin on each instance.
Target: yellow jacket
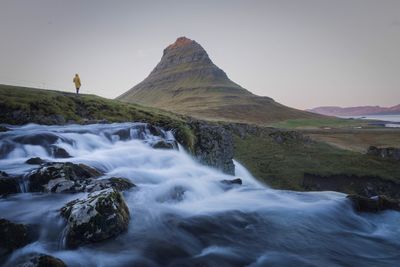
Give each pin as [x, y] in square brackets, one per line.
[77, 81]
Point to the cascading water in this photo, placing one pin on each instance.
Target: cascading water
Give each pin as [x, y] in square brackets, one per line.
[181, 213]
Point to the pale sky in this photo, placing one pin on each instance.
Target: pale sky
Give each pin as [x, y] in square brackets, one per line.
[302, 53]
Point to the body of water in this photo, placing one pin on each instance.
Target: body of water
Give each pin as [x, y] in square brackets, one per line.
[393, 120]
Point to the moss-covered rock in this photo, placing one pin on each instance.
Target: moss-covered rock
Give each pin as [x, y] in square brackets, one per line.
[41, 260]
[100, 216]
[60, 177]
[117, 183]
[12, 236]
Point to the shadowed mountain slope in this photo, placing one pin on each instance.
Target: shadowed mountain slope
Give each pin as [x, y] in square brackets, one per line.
[186, 81]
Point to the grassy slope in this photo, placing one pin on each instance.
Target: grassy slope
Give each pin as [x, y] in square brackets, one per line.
[283, 165]
[36, 103]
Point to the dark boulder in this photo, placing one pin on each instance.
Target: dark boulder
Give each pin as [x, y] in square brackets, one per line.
[162, 144]
[236, 181]
[100, 216]
[391, 153]
[12, 236]
[35, 161]
[59, 152]
[60, 177]
[374, 204]
[41, 260]
[8, 185]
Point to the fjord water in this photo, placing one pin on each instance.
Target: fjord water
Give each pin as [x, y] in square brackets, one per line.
[182, 215]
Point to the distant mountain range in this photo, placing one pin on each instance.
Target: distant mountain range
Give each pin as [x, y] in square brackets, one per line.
[186, 81]
[356, 111]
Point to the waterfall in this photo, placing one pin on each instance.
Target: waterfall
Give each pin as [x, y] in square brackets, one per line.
[181, 212]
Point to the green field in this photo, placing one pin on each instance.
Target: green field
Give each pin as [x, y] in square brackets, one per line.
[283, 165]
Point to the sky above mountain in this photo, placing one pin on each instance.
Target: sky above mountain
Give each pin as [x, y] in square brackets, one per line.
[301, 53]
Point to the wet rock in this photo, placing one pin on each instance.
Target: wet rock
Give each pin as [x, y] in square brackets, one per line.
[367, 186]
[374, 204]
[154, 130]
[60, 177]
[38, 139]
[35, 161]
[236, 181]
[385, 152]
[176, 194]
[3, 129]
[118, 183]
[100, 216]
[41, 260]
[8, 185]
[59, 152]
[162, 144]
[13, 236]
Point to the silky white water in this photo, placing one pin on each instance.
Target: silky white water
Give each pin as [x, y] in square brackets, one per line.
[182, 215]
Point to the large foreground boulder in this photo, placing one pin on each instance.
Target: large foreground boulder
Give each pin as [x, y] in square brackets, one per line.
[102, 215]
[41, 260]
[60, 177]
[374, 204]
[12, 236]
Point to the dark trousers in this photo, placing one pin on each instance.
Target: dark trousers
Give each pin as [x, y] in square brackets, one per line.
[77, 90]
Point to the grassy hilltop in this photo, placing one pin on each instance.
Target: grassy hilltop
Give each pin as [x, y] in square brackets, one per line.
[279, 164]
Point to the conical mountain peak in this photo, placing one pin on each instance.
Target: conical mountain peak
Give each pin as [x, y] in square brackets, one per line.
[180, 42]
[186, 81]
[183, 54]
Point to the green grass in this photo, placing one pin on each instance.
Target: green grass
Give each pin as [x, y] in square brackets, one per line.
[283, 165]
[20, 105]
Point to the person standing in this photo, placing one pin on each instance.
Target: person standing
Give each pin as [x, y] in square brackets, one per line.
[77, 82]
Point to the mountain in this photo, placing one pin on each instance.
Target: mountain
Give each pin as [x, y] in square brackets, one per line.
[186, 81]
[356, 111]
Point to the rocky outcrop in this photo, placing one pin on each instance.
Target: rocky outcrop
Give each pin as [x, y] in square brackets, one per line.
[374, 204]
[282, 137]
[102, 215]
[60, 177]
[367, 186]
[391, 153]
[41, 260]
[8, 185]
[213, 146]
[13, 236]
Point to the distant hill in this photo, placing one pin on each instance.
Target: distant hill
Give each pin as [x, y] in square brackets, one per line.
[186, 81]
[356, 111]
